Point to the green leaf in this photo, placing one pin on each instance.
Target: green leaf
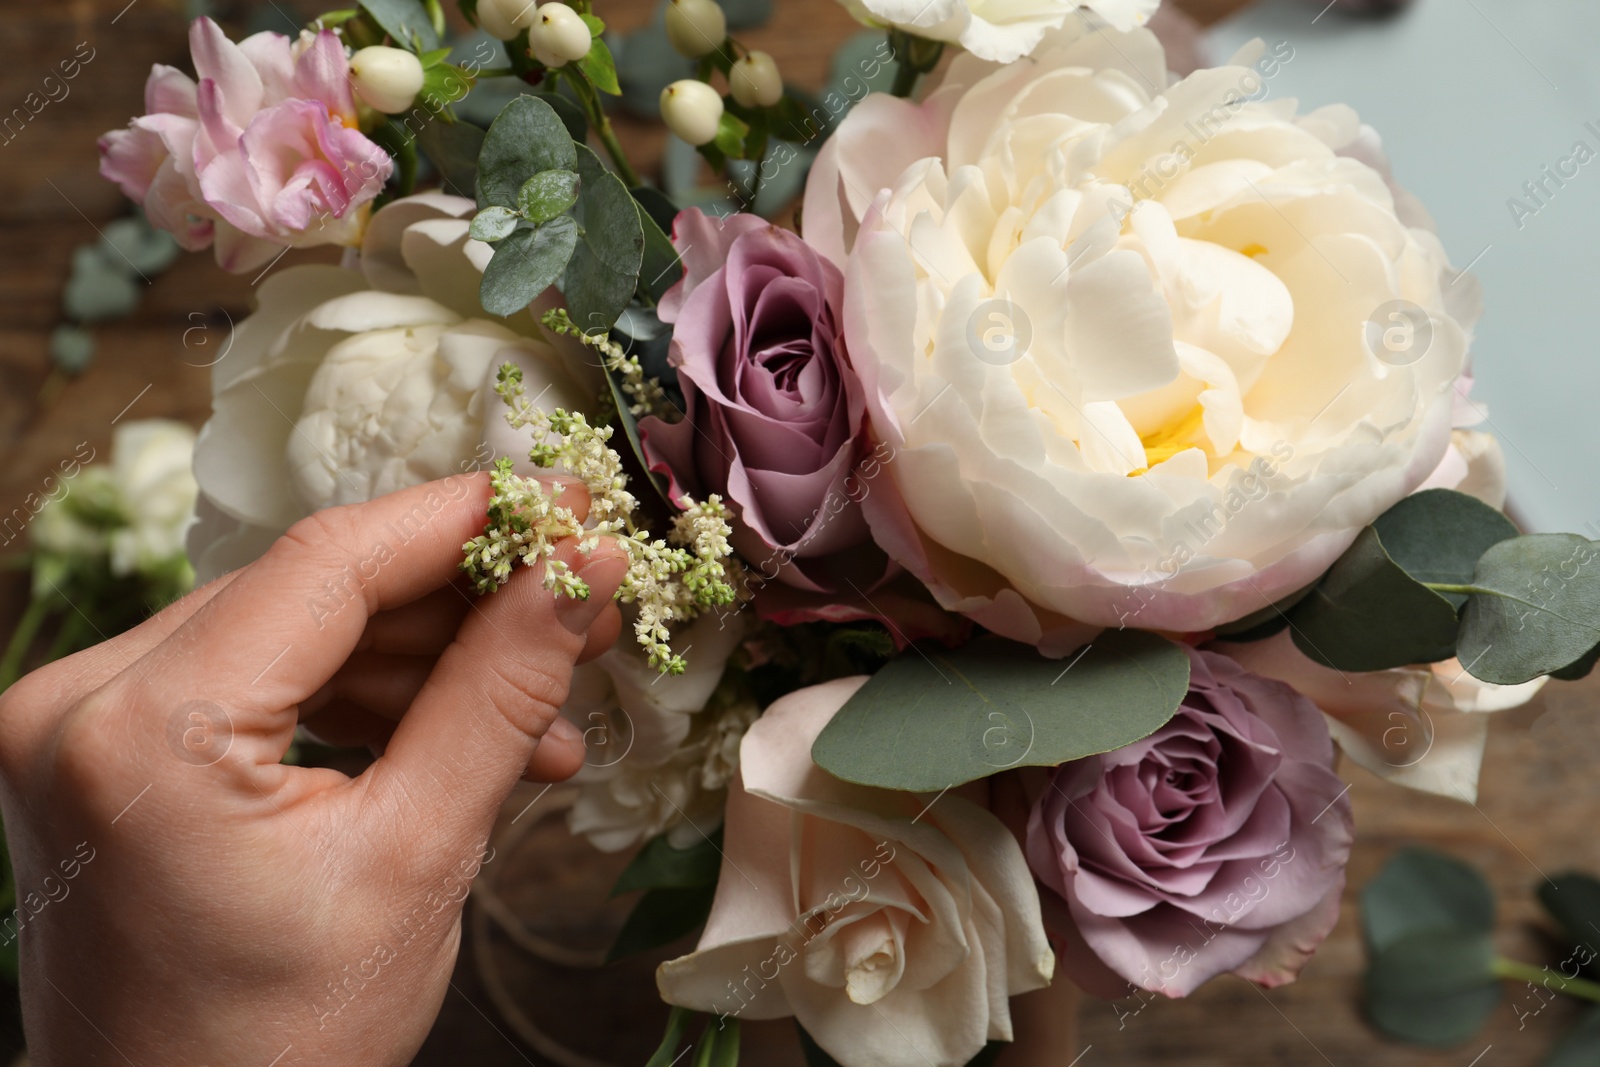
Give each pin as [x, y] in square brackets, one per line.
[525, 264]
[493, 223]
[1438, 536]
[600, 68]
[677, 1024]
[731, 132]
[604, 270]
[1421, 890]
[1573, 900]
[1580, 668]
[71, 348]
[595, 24]
[571, 115]
[932, 719]
[525, 138]
[660, 268]
[1260, 625]
[719, 1044]
[102, 286]
[406, 21]
[1537, 609]
[453, 150]
[1368, 614]
[136, 243]
[1434, 987]
[660, 918]
[660, 866]
[547, 194]
[1581, 1046]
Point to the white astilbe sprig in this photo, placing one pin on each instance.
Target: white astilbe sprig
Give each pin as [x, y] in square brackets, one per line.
[645, 395]
[669, 582]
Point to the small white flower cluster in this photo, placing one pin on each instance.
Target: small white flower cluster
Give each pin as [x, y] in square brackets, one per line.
[645, 394]
[667, 583]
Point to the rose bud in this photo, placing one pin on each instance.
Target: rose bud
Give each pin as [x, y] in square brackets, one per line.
[558, 35]
[696, 27]
[755, 81]
[692, 110]
[388, 79]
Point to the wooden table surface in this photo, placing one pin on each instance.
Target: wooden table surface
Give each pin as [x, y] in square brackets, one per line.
[1535, 817]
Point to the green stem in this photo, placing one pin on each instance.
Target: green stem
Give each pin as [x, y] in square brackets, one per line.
[608, 137]
[1464, 590]
[1573, 987]
[22, 640]
[905, 78]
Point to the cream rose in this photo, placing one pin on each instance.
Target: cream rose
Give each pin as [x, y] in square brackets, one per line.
[1116, 332]
[346, 384]
[993, 29]
[893, 929]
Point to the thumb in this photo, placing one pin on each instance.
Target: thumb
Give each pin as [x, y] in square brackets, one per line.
[493, 694]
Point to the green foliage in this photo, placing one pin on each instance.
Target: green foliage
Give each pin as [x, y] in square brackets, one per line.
[661, 917]
[932, 719]
[1535, 608]
[527, 137]
[658, 865]
[453, 150]
[604, 271]
[547, 194]
[406, 21]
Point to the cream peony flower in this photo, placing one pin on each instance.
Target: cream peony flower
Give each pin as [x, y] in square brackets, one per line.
[658, 757]
[1116, 332]
[1423, 727]
[350, 383]
[893, 929]
[993, 29]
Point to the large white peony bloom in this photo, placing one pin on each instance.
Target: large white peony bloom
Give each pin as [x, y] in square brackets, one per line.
[1119, 335]
[994, 29]
[893, 927]
[350, 383]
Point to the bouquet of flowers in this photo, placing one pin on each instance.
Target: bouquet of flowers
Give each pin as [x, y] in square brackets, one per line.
[1015, 537]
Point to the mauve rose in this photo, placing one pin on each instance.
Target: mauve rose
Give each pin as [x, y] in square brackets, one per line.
[774, 414]
[1216, 844]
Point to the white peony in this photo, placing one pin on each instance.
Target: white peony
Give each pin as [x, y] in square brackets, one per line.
[994, 29]
[658, 757]
[1115, 331]
[346, 384]
[893, 927]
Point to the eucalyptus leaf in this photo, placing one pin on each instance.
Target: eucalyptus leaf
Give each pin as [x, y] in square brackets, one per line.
[1537, 609]
[525, 264]
[453, 150]
[1580, 668]
[1433, 987]
[493, 223]
[660, 268]
[71, 348]
[547, 194]
[1573, 900]
[1368, 614]
[604, 270]
[1581, 1046]
[101, 287]
[405, 20]
[136, 243]
[660, 918]
[1260, 625]
[660, 866]
[932, 719]
[1438, 536]
[527, 137]
[1421, 890]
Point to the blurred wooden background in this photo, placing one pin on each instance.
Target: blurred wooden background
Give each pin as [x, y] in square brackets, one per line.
[1540, 795]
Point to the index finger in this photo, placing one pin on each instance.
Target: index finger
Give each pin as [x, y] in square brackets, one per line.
[291, 619]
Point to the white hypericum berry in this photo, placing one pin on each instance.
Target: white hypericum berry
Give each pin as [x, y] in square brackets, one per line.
[696, 27]
[505, 18]
[755, 81]
[692, 110]
[388, 79]
[559, 33]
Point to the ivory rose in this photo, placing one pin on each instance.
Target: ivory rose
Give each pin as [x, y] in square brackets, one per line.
[992, 29]
[346, 384]
[893, 929]
[1216, 844]
[261, 152]
[1114, 330]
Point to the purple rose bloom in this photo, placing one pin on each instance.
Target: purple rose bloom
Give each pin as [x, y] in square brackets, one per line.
[774, 414]
[1216, 844]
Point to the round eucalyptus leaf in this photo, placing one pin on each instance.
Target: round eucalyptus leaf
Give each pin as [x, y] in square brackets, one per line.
[525, 264]
[493, 223]
[547, 194]
[1539, 610]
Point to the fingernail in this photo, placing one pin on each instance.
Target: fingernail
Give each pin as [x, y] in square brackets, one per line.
[603, 576]
[564, 732]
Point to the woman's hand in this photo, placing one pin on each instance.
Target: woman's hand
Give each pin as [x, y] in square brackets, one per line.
[184, 897]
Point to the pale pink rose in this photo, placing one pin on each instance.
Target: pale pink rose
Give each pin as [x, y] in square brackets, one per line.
[1423, 727]
[262, 153]
[893, 927]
